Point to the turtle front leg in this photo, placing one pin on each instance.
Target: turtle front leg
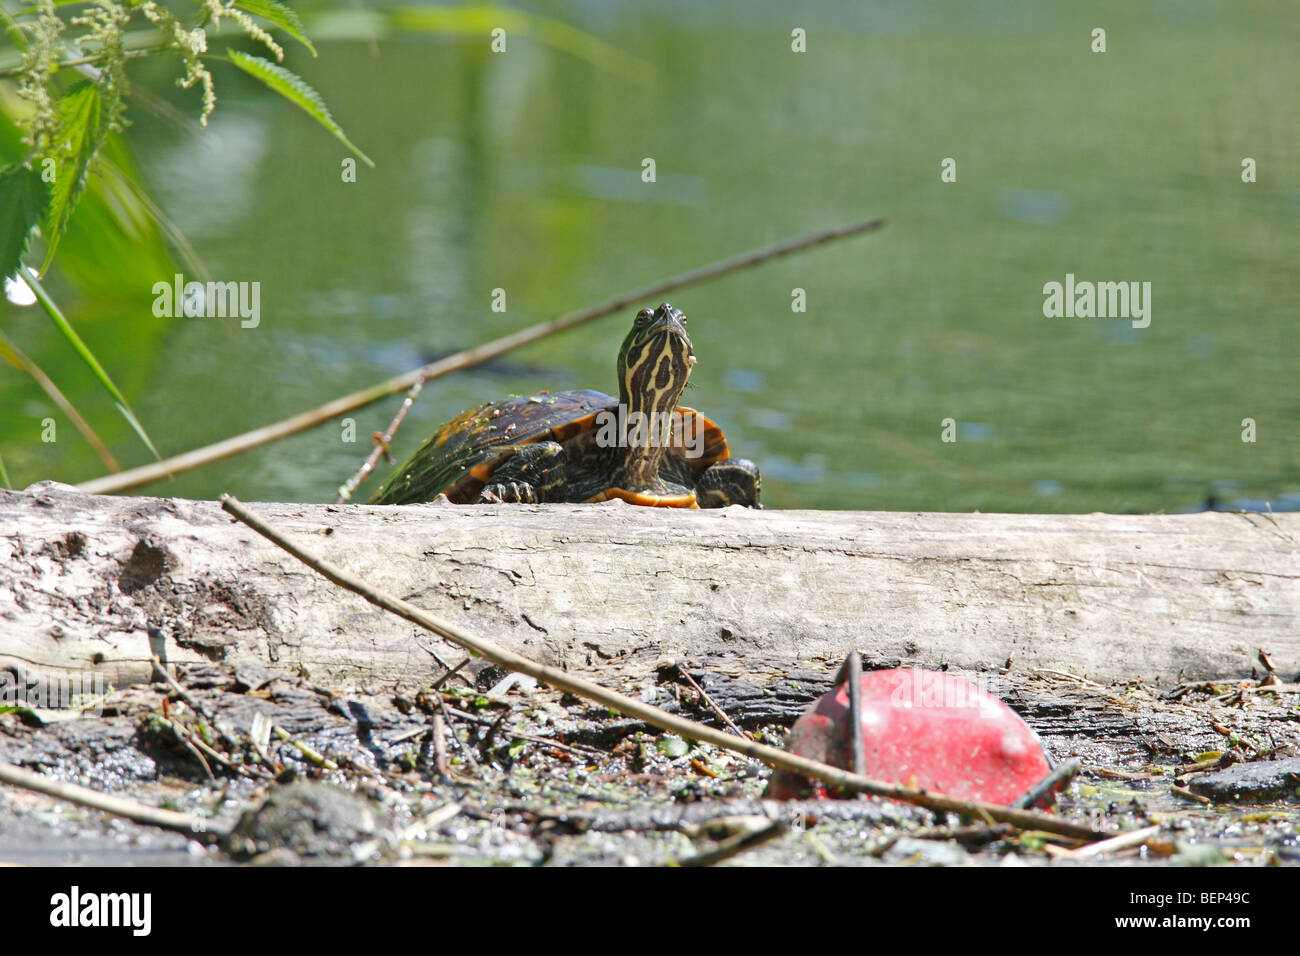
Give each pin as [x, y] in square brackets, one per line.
[733, 481]
[523, 477]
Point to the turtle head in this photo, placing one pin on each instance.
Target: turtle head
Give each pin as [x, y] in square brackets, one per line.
[655, 361]
[654, 365]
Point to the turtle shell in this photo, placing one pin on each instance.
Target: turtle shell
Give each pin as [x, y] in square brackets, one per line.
[462, 455]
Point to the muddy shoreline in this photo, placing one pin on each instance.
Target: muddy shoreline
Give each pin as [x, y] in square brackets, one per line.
[488, 769]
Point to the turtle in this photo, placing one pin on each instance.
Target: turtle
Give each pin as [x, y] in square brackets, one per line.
[586, 446]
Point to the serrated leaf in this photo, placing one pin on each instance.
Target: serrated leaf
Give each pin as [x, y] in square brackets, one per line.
[282, 16]
[23, 202]
[296, 90]
[81, 134]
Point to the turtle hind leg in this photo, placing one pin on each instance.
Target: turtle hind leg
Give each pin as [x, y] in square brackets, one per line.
[733, 481]
[524, 477]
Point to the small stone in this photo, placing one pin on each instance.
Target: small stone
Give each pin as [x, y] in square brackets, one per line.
[315, 821]
[926, 853]
[1264, 781]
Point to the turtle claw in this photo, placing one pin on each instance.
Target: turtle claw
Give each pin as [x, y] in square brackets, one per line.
[508, 493]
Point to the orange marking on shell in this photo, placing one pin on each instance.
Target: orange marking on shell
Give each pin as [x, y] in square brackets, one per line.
[715, 442]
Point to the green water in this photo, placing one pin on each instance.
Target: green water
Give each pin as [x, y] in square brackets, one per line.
[522, 172]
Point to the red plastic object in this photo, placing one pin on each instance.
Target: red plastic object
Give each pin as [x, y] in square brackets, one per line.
[924, 729]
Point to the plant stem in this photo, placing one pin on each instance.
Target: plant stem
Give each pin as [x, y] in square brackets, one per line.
[64, 326]
[17, 358]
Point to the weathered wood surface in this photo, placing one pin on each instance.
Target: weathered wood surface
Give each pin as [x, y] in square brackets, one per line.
[96, 582]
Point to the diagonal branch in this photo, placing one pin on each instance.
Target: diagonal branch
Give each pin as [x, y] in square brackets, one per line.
[188, 461]
[849, 782]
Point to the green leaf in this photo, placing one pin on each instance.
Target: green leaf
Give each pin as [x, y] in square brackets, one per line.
[81, 134]
[69, 333]
[277, 13]
[673, 746]
[296, 90]
[23, 201]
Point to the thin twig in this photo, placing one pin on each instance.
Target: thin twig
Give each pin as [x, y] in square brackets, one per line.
[439, 732]
[535, 738]
[196, 828]
[737, 844]
[193, 704]
[1273, 518]
[1062, 772]
[383, 442]
[310, 753]
[1124, 841]
[1258, 689]
[1188, 795]
[1049, 672]
[182, 735]
[793, 763]
[722, 714]
[451, 732]
[190, 460]
[448, 673]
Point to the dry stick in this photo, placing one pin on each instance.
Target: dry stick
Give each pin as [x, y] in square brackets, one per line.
[737, 844]
[1188, 795]
[310, 753]
[448, 673]
[187, 737]
[194, 827]
[535, 738]
[383, 443]
[454, 363]
[185, 695]
[608, 307]
[184, 738]
[451, 732]
[653, 715]
[439, 745]
[709, 700]
[1124, 841]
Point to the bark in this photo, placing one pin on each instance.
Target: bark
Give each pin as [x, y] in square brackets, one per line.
[93, 582]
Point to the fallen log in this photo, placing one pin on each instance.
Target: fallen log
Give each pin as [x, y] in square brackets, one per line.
[103, 583]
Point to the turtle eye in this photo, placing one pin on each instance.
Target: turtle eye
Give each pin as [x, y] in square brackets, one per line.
[644, 316]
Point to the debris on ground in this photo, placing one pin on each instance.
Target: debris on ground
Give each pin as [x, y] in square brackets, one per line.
[481, 769]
